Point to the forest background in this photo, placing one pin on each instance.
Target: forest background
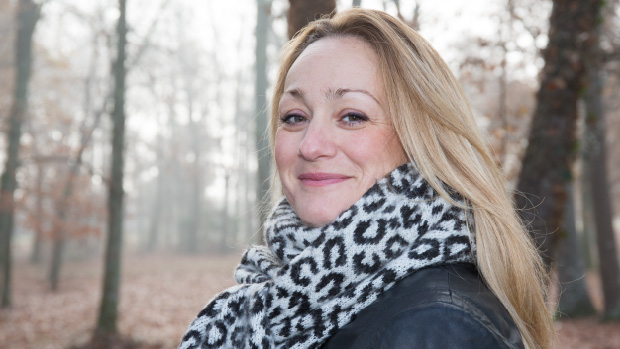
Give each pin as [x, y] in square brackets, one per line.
[169, 99]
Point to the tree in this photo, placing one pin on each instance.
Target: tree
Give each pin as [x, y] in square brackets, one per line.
[67, 202]
[498, 89]
[260, 90]
[59, 229]
[35, 256]
[302, 12]
[552, 141]
[106, 323]
[599, 184]
[574, 299]
[415, 20]
[28, 13]
[154, 219]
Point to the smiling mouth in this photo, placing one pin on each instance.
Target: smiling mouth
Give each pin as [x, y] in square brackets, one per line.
[321, 179]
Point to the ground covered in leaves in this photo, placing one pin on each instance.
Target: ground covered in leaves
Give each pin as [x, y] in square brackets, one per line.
[160, 295]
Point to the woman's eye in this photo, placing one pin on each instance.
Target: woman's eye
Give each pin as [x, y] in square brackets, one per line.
[354, 119]
[293, 119]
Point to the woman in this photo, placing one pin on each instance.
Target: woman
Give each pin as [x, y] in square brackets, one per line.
[395, 230]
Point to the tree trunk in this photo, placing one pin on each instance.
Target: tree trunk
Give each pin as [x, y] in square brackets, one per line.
[588, 233]
[194, 226]
[108, 310]
[28, 14]
[153, 232]
[240, 160]
[599, 184]
[59, 230]
[302, 12]
[60, 233]
[502, 105]
[253, 234]
[552, 141]
[171, 218]
[225, 233]
[260, 90]
[35, 255]
[574, 298]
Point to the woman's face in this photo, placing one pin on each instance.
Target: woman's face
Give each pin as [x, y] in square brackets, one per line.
[334, 138]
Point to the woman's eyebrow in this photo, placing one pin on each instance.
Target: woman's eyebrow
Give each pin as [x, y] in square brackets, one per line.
[297, 94]
[331, 94]
[340, 92]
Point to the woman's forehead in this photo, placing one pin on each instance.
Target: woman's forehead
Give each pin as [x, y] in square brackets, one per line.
[334, 63]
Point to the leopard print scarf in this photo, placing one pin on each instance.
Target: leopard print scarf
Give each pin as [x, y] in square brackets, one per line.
[308, 282]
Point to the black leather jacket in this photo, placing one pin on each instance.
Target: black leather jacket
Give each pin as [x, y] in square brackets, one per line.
[438, 307]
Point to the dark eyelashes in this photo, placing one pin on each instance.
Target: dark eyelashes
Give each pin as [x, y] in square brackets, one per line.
[350, 118]
[288, 118]
[359, 116]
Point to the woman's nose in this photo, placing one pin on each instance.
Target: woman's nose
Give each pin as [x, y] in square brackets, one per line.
[318, 141]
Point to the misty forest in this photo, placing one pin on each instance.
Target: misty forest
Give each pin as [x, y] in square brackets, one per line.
[136, 165]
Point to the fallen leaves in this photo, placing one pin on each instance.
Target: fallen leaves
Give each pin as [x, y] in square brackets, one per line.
[160, 296]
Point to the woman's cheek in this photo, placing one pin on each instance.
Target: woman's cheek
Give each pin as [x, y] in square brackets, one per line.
[285, 151]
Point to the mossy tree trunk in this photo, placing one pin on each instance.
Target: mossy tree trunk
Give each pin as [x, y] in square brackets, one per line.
[28, 13]
[551, 152]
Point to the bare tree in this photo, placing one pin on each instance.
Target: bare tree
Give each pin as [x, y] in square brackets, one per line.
[108, 309]
[62, 206]
[87, 129]
[260, 90]
[415, 19]
[28, 13]
[550, 153]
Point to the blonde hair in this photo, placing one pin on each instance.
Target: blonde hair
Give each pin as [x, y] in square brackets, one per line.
[435, 126]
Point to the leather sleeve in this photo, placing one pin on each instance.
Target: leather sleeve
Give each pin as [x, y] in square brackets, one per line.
[435, 325]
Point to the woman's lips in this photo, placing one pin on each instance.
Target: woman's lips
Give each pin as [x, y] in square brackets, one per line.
[319, 179]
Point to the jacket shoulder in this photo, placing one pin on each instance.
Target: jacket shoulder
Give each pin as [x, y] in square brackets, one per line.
[437, 307]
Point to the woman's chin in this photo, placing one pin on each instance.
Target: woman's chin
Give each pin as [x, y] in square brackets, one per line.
[320, 214]
[319, 206]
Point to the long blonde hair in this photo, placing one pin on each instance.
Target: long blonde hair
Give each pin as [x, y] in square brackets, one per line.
[435, 126]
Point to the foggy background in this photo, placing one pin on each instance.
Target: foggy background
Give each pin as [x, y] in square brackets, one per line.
[196, 91]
